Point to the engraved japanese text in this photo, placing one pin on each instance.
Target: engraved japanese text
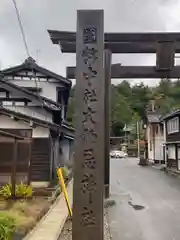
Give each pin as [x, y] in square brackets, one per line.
[90, 35]
[89, 55]
[88, 183]
[89, 135]
[88, 217]
[89, 74]
[89, 96]
[88, 116]
[89, 159]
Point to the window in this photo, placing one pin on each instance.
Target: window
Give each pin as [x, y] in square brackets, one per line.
[58, 95]
[173, 125]
[61, 100]
[157, 129]
[150, 145]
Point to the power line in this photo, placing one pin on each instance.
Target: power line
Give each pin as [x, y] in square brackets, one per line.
[21, 28]
[23, 36]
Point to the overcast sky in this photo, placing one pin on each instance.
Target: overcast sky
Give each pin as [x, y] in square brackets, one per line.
[39, 15]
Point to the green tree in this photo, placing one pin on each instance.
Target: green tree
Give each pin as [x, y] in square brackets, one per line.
[164, 87]
[70, 109]
[140, 97]
[130, 101]
[121, 112]
[124, 88]
[166, 95]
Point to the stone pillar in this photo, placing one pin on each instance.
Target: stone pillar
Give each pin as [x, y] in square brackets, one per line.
[88, 191]
[107, 111]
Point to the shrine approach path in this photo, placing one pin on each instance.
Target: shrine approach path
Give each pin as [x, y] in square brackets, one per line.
[147, 202]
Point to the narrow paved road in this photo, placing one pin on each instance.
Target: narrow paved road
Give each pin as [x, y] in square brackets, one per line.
[147, 203]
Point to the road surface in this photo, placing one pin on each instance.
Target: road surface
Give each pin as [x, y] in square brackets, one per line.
[147, 202]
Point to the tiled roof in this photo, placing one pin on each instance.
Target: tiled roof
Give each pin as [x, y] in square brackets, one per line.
[31, 64]
[27, 118]
[64, 128]
[172, 114]
[30, 95]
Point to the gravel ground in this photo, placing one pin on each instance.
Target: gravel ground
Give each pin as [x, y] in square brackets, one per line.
[67, 230]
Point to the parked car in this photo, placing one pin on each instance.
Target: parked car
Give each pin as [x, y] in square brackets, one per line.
[118, 154]
[112, 153]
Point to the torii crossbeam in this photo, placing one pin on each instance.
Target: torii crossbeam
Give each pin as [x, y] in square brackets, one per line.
[164, 45]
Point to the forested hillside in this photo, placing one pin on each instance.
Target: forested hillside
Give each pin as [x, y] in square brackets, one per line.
[129, 103]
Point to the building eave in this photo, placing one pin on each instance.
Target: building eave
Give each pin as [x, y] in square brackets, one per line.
[29, 119]
[48, 103]
[170, 115]
[31, 64]
[67, 129]
[10, 135]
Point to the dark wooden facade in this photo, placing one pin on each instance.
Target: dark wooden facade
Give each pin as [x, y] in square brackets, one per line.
[173, 137]
[37, 157]
[172, 142]
[22, 168]
[40, 159]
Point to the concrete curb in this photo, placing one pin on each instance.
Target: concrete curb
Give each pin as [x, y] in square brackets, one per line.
[109, 203]
[51, 225]
[160, 168]
[171, 172]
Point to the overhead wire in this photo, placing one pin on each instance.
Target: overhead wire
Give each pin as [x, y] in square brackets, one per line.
[21, 27]
[24, 38]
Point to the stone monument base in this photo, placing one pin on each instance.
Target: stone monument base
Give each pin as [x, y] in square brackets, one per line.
[143, 161]
[109, 202]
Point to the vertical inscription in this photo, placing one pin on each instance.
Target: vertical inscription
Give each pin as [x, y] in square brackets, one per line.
[89, 95]
[89, 147]
[88, 217]
[89, 159]
[90, 35]
[88, 186]
[88, 115]
[89, 57]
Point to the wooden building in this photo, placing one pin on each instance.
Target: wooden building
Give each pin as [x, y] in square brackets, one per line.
[172, 139]
[9, 140]
[34, 105]
[155, 137]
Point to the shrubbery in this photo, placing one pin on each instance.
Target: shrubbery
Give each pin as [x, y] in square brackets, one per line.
[65, 172]
[7, 226]
[21, 191]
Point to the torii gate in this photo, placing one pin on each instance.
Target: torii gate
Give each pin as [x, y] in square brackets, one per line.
[89, 43]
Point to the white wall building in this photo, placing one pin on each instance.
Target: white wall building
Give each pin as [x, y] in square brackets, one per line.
[172, 140]
[155, 138]
[38, 98]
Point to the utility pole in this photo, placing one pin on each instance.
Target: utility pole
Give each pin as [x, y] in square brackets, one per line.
[138, 144]
[125, 134]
